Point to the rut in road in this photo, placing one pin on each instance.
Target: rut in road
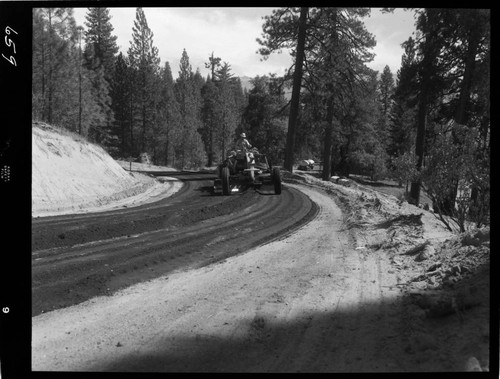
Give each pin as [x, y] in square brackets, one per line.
[102, 253]
[310, 302]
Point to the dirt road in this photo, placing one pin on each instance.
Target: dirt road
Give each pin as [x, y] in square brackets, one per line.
[342, 293]
[307, 302]
[77, 257]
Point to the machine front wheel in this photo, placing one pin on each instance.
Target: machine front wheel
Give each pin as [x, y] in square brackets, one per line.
[226, 188]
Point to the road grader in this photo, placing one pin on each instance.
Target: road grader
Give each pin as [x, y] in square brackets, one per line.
[243, 169]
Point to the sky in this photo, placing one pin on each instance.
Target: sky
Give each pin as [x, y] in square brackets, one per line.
[231, 33]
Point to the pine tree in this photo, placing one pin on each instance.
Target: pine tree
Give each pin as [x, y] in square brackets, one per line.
[262, 120]
[210, 94]
[168, 109]
[229, 115]
[275, 41]
[462, 98]
[54, 64]
[359, 140]
[144, 60]
[64, 90]
[213, 64]
[340, 68]
[223, 104]
[403, 115]
[102, 125]
[100, 44]
[430, 23]
[386, 92]
[189, 150]
[121, 91]
[99, 58]
[39, 66]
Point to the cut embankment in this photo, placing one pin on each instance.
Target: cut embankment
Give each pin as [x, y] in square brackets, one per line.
[70, 174]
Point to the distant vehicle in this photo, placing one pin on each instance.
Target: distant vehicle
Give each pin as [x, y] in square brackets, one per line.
[243, 169]
[306, 165]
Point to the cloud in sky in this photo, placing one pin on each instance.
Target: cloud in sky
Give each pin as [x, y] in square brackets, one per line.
[231, 34]
[390, 30]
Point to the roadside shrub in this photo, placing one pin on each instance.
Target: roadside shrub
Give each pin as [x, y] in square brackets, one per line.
[404, 169]
[455, 168]
[372, 164]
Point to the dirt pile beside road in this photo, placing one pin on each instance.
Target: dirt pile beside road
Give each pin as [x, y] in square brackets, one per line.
[70, 175]
[444, 277]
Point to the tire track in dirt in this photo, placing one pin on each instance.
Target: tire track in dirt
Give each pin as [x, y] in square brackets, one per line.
[309, 302]
[366, 317]
[292, 305]
[105, 252]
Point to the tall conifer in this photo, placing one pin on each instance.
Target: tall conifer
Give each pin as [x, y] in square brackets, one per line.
[100, 43]
[189, 150]
[144, 60]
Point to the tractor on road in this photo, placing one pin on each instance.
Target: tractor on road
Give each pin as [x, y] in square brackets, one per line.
[243, 169]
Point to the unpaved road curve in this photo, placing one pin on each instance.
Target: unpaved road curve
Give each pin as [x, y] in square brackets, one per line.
[308, 302]
[77, 257]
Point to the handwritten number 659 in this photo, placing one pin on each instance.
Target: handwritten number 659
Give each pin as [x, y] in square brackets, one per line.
[10, 43]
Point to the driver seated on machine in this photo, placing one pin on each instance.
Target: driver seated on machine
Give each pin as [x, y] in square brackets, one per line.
[244, 147]
[242, 143]
[245, 150]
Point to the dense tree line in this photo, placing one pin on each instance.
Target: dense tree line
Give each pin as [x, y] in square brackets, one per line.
[342, 103]
[431, 128]
[129, 103]
[453, 66]
[341, 112]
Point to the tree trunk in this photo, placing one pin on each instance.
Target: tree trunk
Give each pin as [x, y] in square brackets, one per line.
[223, 142]
[143, 142]
[447, 206]
[461, 115]
[50, 86]
[210, 154]
[420, 143]
[297, 83]
[132, 147]
[327, 152]
[122, 127]
[430, 52]
[43, 77]
[167, 139]
[80, 82]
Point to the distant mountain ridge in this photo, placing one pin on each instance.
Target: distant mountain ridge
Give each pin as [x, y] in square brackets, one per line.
[245, 82]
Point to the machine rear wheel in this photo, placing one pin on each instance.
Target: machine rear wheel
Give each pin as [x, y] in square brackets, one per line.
[226, 189]
[276, 176]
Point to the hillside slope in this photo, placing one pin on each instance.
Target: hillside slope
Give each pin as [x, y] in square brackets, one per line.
[71, 175]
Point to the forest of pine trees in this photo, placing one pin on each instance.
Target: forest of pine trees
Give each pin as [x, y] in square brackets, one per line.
[352, 118]
[430, 129]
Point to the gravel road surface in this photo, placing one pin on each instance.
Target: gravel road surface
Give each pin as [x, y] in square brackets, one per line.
[76, 257]
[309, 301]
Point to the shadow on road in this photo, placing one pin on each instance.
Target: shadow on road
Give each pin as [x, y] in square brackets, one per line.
[207, 190]
[377, 337]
